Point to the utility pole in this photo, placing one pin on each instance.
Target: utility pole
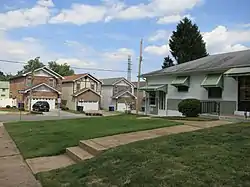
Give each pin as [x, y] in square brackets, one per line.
[32, 79]
[129, 68]
[139, 77]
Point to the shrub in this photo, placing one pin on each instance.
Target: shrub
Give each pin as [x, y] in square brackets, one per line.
[64, 107]
[8, 106]
[190, 107]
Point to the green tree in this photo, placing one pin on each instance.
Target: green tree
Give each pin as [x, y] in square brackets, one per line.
[5, 77]
[61, 69]
[168, 62]
[31, 65]
[186, 43]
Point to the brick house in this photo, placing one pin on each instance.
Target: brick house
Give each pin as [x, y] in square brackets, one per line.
[46, 87]
[81, 90]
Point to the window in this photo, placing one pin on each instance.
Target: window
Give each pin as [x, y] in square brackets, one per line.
[115, 89]
[78, 86]
[51, 82]
[2, 95]
[182, 88]
[92, 86]
[28, 81]
[152, 98]
[215, 93]
[3, 89]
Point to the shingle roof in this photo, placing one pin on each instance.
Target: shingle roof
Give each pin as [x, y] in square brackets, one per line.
[111, 81]
[142, 84]
[73, 77]
[219, 62]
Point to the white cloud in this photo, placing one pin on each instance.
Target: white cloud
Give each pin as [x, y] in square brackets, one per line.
[246, 25]
[80, 14]
[120, 54]
[157, 50]
[221, 39]
[30, 39]
[160, 35]
[75, 62]
[25, 17]
[46, 3]
[173, 19]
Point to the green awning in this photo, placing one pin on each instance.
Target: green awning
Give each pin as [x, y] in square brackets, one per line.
[181, 81]
[159, 87]
[236, 72]
[211, 81]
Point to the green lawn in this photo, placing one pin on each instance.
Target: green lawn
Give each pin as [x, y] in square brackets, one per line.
[211, 157]
[45, 138]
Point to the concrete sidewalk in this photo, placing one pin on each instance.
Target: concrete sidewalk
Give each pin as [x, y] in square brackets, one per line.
[92, 147]
[14, 172]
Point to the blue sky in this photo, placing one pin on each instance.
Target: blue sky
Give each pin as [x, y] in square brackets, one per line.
[101, 34]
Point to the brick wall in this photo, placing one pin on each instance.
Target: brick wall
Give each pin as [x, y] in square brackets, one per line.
[20, 83]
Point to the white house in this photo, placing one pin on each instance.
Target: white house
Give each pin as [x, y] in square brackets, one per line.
[221, 82]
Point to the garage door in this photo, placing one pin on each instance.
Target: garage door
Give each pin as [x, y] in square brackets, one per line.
[52, 102]
[89, 105]
[122, 107]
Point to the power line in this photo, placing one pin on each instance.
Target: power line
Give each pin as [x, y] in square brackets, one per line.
[90, 69]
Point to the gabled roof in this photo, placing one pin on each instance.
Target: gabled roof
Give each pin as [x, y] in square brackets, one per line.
[84, 90]
[46, 69]
[75, 77]
[114, 80]
[212, 63]
[42, 84]
[116, 96]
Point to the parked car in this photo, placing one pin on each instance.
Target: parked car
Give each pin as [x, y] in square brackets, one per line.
[42, 106]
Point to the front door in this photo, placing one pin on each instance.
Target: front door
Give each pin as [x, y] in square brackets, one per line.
[162, 104]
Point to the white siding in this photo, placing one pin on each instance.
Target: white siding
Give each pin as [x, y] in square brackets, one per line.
[195, 89]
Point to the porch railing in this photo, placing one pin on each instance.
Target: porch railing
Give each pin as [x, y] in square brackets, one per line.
[210, 107]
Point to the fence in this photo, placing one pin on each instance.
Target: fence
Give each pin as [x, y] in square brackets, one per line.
[210, 107]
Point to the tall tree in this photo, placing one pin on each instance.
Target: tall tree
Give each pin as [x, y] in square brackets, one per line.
[186, 43]
[168, 62]
[31, 65]
[61, 69]
[5, 77]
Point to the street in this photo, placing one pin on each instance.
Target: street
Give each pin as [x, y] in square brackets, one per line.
[52, 115]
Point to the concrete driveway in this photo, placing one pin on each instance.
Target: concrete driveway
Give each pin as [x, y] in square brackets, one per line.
[52, 115]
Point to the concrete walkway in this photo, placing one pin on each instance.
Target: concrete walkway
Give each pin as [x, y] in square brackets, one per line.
[13, 170]
[92, 147]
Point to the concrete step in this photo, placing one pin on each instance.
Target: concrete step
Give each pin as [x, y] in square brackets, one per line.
[78, 154]
[91, 147]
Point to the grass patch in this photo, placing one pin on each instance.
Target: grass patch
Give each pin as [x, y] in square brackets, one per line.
[209, 157]
[52, 137]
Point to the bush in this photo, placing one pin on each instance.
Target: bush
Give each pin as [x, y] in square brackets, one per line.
[64, 108]
[190, 107]
[8, 106]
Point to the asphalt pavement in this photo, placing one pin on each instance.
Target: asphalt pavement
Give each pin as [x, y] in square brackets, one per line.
[52, 115]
